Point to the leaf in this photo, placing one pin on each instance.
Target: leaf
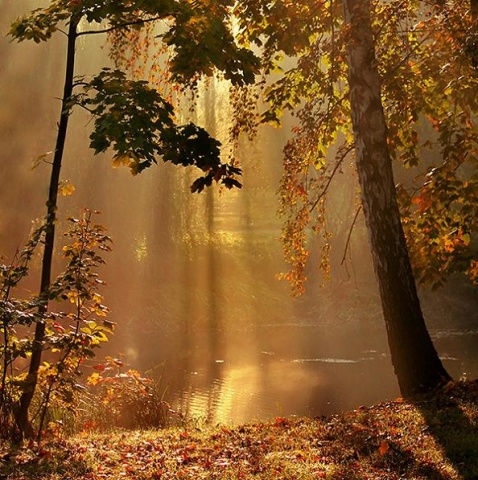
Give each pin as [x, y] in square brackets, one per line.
[123, 159]
[93, 379]
[40, 159]
[423, 202]
[384, 447]
[66, 188]
[40, 25]
[198, 185]
[466, 239]
[231, 183]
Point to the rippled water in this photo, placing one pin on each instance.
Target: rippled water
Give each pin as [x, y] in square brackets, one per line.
[279, 385]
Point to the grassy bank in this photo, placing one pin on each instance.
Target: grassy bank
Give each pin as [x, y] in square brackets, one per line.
[435, 438]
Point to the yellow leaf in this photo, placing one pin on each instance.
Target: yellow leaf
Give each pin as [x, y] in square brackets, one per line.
[74, 297]
[122, 160]
[93, 379]
[66, 188]
[101, 337]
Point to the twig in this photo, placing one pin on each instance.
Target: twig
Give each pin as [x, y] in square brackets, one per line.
[347, 243]
[327, 182]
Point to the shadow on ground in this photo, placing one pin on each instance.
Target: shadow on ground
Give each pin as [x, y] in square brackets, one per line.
[450, 422]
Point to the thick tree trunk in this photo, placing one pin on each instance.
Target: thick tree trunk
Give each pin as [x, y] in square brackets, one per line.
[22, 414]
[417, 365]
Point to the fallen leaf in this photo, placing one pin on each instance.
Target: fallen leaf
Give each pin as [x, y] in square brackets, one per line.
[384, 447]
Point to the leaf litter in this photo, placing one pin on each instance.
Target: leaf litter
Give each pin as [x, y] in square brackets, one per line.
[434, 437]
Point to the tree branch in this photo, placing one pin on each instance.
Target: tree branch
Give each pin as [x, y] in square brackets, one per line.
[347, 243]
[327, 182]
[125, 25]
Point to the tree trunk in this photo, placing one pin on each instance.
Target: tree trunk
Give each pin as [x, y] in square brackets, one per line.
[415, 360]
[22, 414]
[473, 46]
[474, 9]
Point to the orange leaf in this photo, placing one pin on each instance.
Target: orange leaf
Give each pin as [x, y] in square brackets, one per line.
[384, 447]
[423, 202]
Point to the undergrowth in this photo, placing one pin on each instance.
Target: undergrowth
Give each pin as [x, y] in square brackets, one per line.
[69, 387]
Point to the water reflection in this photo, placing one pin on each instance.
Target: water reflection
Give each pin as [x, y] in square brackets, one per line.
[243, 393]
[234, 392]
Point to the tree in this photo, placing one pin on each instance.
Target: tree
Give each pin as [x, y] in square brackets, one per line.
[131, 117]
[422, 76]
[416, 362]
[439, 208]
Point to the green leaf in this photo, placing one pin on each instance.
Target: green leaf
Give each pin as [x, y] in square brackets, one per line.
[41, 24]
[137, 123]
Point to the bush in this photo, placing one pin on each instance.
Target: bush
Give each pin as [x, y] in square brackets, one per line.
[121, 397]
[71, 334]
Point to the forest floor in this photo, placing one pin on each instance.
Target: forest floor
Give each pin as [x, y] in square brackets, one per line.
[434, 438]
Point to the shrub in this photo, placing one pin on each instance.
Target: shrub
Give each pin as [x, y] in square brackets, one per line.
[72, 332]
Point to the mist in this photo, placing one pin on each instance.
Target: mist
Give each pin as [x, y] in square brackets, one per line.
[192, 280]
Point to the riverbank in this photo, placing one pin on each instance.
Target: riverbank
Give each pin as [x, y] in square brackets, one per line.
[434, 438]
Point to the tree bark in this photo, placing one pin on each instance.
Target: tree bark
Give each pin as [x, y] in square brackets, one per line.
[22, 414]
[474, 9]
[415, 360]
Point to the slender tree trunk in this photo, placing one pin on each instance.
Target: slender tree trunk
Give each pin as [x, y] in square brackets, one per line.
[416, 362]
[22, 416]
